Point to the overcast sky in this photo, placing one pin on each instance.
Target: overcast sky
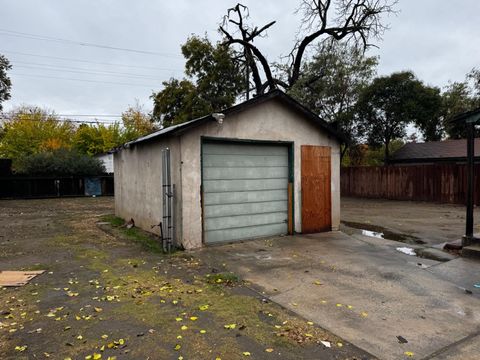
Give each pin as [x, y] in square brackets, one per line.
[439, 40]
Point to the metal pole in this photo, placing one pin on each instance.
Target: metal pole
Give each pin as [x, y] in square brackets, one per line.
[467, 239]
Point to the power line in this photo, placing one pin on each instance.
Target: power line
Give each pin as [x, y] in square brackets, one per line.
[6, 32]
[84, 80]
[59, 119]
[80, 68]
[89, 62]
[103, 73]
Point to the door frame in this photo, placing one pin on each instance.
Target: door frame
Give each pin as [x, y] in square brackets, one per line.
[291, 176]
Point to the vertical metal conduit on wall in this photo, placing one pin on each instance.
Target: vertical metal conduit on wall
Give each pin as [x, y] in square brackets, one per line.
[167, 201]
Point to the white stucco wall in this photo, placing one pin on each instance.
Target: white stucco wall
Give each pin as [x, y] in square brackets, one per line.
[270, 121]
[138, 183]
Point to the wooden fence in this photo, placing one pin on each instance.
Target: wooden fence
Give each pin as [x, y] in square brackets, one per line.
[443, 183]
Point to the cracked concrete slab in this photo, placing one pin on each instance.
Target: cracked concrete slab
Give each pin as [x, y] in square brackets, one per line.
[363, 290]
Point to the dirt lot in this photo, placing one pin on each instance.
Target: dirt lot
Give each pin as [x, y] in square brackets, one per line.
[407, 221]
[118, 297]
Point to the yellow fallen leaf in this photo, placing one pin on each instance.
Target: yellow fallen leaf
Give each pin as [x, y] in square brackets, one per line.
[409, 353]
[193, 318]
[179, 337]
[112, 358]
[339, 344]
[203, 307]
[178, 347]
[350, 307]
[230, 326]
[21, 348]
[97, 356]
[308, 335]
[317, 282]
[97, 309]
[246, 353]
[184, 327]
[178, 319]
[364, 314]
[309, 323]
[269, 350]
[121, 341]
[79, 337]
[339, 305]
[104, 336]
[102, 348]
[203, 331]
[88, 357]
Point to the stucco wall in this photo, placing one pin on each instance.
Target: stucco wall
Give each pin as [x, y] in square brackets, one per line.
[138, 183]
[107, 160]
[268, 121]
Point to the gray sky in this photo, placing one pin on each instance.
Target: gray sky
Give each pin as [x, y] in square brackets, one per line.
[437, 39]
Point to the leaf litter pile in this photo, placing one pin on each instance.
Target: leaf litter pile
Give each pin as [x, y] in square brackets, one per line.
[104, 304]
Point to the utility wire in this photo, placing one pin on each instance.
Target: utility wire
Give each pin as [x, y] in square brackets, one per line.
[90, 62]
[148, 76]
[58, 119]
[6, 32]
[84, 80]
[103, 73]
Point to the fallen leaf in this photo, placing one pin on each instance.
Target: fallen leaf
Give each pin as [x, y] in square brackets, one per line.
[309, 323]
[203, 307]
[178, 347]
[326, 343]
[21, 348]
[184, 327]
[409, 353]
[230, 326]
[203, 331]
[246, 353]
[269, 350]
[364, 314]
[193, 318]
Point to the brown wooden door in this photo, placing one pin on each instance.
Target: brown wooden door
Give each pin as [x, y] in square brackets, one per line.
[316, 189]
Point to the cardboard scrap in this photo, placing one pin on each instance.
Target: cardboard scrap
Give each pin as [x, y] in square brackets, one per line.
[17, 278]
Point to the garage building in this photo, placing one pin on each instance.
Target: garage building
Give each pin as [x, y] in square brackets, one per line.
[262, 168]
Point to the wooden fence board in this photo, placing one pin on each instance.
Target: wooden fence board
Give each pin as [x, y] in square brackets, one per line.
[443, 183]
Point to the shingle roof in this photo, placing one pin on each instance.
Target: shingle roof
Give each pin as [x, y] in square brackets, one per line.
[435, 150]
[275, 94]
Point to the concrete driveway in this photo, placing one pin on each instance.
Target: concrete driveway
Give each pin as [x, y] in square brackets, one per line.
[365, 291]
[430, 223]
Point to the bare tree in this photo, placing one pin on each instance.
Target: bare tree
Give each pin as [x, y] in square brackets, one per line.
[357, 21]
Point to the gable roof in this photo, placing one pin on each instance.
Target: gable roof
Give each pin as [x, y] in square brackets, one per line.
[275, 94]
[434, 151]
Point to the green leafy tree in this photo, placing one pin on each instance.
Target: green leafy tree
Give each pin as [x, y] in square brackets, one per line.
[389, 104]
[93, 139]
[214, 80]
[61, 162]
[5, 82]
[459, 97]
[136, 123]
[30, 130]
[331, 84]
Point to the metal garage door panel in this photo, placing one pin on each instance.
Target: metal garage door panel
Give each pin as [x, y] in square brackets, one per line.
[252, 232]
[245, 191]
[215, 186]
[245, 208]
[241, 197]
[225, 173]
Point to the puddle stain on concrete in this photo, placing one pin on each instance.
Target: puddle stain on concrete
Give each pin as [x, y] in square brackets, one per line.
[383, 233]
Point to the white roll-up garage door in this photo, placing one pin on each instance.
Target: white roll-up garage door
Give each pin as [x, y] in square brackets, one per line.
[245, 190]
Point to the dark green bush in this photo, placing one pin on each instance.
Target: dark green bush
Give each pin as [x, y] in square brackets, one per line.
[61, 162]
